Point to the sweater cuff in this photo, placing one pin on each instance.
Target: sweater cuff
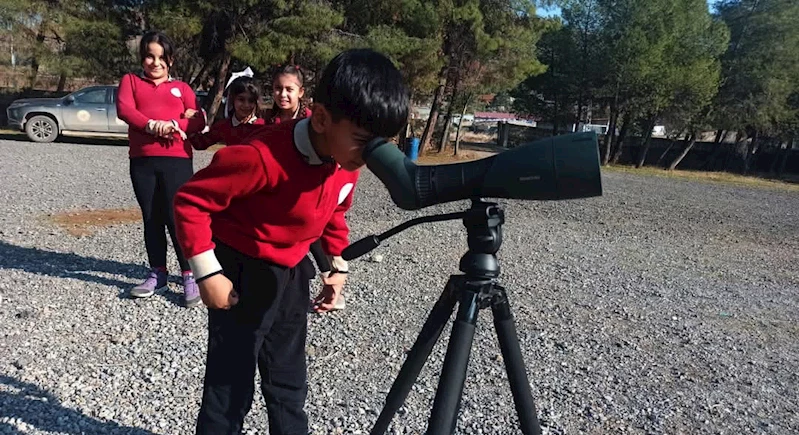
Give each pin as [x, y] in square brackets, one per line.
[150, 128]
[204, 264]
[337, 263]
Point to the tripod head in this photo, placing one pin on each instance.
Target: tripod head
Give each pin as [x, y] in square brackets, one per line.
[483, 222]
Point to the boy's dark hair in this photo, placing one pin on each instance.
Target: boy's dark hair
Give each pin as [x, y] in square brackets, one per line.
[363, 86]
[161, 39]
[240, 86]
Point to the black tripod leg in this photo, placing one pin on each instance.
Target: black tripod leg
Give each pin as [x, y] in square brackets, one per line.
[514, 364]
[417, 356]
[453, 374]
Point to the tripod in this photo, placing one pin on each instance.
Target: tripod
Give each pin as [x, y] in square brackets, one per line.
[475, 290]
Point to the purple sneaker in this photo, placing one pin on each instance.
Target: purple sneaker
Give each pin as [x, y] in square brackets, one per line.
[156, 281]
[191, 291]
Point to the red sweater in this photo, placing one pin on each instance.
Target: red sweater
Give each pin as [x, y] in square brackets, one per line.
[269, 199]
[269, 116]
[139, 100]
[224, 131]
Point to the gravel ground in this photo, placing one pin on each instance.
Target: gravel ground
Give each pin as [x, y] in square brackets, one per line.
[664, 306]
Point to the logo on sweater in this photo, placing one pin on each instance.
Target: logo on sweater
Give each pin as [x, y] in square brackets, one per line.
[176, 92]
[345, 190]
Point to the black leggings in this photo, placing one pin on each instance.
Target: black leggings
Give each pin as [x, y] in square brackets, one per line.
[155, 182]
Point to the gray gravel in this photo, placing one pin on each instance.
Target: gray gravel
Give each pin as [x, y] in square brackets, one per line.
[664, 306]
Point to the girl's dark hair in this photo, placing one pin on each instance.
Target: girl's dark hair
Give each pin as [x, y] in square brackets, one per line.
[240, 86]
[161, 39]
[295, 71]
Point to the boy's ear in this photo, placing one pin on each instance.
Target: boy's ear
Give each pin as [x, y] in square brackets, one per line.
[320, 118]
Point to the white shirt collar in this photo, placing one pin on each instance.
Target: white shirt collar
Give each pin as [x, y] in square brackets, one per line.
[235, 121]
[144, 76]
[302, 140]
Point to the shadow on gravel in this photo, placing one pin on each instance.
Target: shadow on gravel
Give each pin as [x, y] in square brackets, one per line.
[24, 407]
[63, 265]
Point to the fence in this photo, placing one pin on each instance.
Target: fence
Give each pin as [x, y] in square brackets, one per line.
[703, 156]
[19, 78]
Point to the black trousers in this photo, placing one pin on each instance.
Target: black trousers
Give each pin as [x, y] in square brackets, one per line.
[267, 329]
[155, 182]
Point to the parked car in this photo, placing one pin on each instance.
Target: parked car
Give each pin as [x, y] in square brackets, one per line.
[91, 111]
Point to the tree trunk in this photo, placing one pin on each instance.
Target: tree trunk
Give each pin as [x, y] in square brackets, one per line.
[187, 73]
[442, 143]
[611, 134]
[62, 82]
[614, 118]
[219, 87]
[406, 132]
[625, 124]
[754, 145]
[719, 136]
[772, 171]
[645, 142]
[584, 70]
[197, 81]
[502, 134]
[711, 161]
[433, 118]
[555, 117]
[444, 139]
[785, 153]
[740, 138]
[671, 145]
[35, 59]
[684, 152]
[460, 124]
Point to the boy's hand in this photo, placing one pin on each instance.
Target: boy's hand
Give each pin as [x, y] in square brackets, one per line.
[331, 291]
[191, 113]
[217, 292]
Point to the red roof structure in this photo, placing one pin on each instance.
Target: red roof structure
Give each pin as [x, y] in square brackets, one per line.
[495, 115]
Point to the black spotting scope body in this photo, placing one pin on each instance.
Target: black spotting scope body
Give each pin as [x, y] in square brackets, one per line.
[559, 167]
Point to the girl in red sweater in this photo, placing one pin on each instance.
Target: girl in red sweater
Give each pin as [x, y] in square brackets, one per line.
[241, 117]
[153, 104]
[288, 91]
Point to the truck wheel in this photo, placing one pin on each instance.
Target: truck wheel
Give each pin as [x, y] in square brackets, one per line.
[41, 128]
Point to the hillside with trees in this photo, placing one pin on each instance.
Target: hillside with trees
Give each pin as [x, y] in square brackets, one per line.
[732, 68]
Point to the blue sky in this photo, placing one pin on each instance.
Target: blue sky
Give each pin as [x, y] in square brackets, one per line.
[555, 11]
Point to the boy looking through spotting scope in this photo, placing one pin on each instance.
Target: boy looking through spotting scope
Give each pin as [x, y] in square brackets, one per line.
[248, 219]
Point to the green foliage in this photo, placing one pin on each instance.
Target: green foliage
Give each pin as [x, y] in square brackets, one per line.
[653, 59]
[760, 67]
[93, 49]
[407, 31]
[415, 57]
[550, 95]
